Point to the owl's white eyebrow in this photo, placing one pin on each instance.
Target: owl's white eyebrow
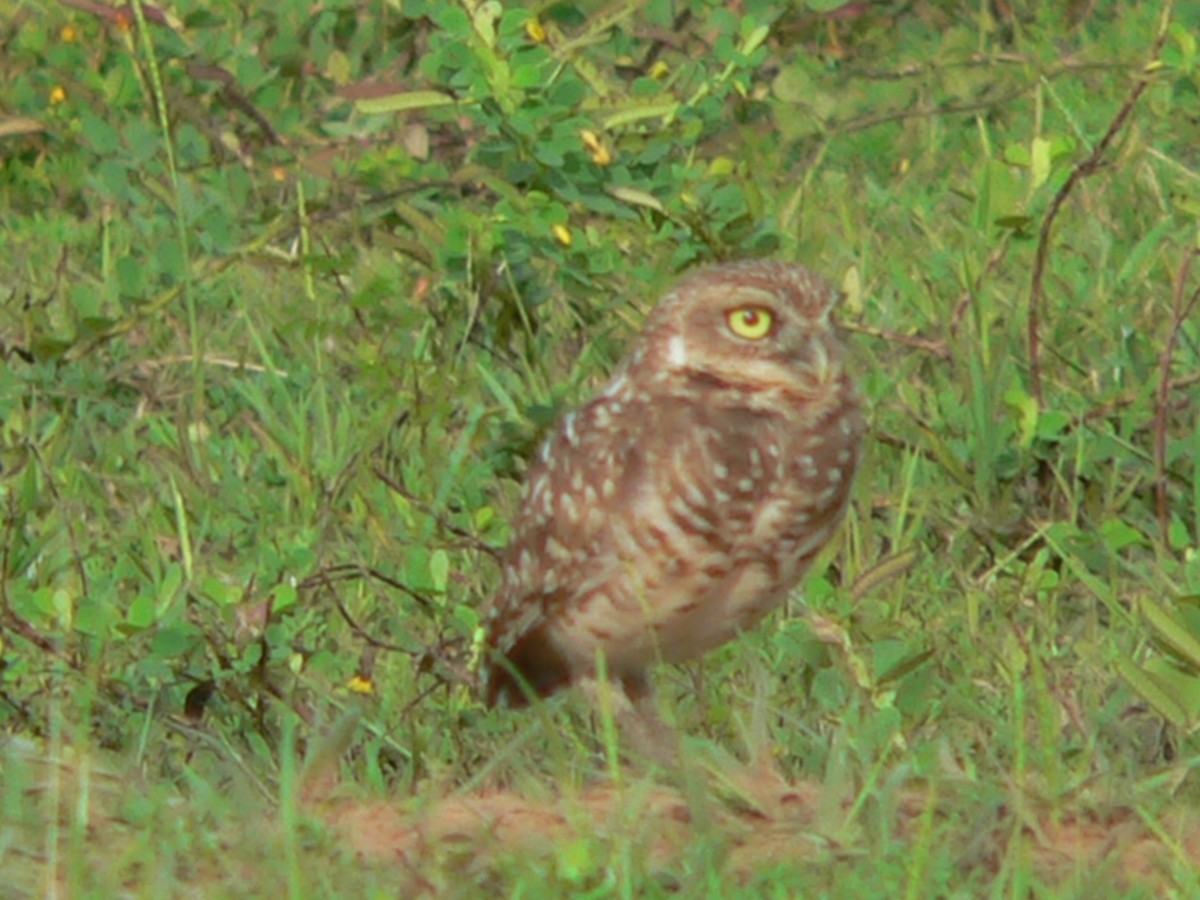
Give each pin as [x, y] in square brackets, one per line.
[677, 351]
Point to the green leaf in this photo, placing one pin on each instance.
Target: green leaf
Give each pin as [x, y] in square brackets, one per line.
[338, 68]
[659, 109]
[575, 860]
[401, 102]
[130, 279]
[1000, 194]
[1118, 535]
[141, 612]
[168, 589]
[467, 619]
[486, 15]
[755, 39]
[1026, 410]
[439, 570]
[1052, 423]
[284, 596]
[169, 257]
[173, 641]
[636, 197]
[1152, 691]
[484, 516]
[896, 665]
[1039, 163]
[1171, 631]
[104, 138]
[1182, 687]
[223, 593]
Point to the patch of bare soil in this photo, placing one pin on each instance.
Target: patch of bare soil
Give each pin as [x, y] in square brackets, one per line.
[783, 824]
[759, 821]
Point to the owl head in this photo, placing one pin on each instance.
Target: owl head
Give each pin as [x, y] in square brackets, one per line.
[748, 330]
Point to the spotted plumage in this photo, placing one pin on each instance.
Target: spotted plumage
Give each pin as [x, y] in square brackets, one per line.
[688, 497]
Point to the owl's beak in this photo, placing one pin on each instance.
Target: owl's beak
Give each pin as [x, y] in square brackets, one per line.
[814, 356]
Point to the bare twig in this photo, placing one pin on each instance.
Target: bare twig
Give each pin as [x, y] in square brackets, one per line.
[351, 571]
[929, 345]
[472, 541]
[7, 350]
[864, 123]
[1086, 168]
[1106, 409]
[187, 359]
[119, 16]
[1063, 65]
[433, 660]
[365, 635]
[964, 303]
[236, 97]
[1181, 310]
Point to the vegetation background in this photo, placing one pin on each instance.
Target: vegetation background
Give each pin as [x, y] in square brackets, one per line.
[289, 292]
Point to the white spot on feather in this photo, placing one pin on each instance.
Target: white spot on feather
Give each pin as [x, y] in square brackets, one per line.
[615, 387]
[570, 510]
[556, 551]
[695, 496]
[677, 351]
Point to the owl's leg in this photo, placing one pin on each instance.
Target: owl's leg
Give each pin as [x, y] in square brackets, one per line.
[649, 733]
[707, 780]
[717, 775]
[631, 704]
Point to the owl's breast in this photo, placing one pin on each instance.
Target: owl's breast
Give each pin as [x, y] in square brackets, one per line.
[693, 523]
[710, 537]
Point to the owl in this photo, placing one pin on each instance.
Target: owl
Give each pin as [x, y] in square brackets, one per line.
[681, 504]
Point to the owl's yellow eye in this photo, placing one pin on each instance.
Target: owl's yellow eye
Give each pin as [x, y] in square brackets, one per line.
[750, 322]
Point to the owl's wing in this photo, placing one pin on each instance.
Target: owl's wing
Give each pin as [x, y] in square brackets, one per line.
[562, 544]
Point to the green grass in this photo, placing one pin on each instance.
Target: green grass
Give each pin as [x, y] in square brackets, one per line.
[288, 294]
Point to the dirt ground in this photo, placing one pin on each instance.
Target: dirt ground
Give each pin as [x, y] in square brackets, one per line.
[784, 822]
[759, 821]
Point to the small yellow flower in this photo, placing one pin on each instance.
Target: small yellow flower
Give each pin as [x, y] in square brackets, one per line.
[279, 173]
[563, 234]
[535, 30]
[600, 154]
[57, 95]
[68, 34]
[659, 70]
[361, 685]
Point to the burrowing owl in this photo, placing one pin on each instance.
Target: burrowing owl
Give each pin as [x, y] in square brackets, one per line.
[682, 503]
